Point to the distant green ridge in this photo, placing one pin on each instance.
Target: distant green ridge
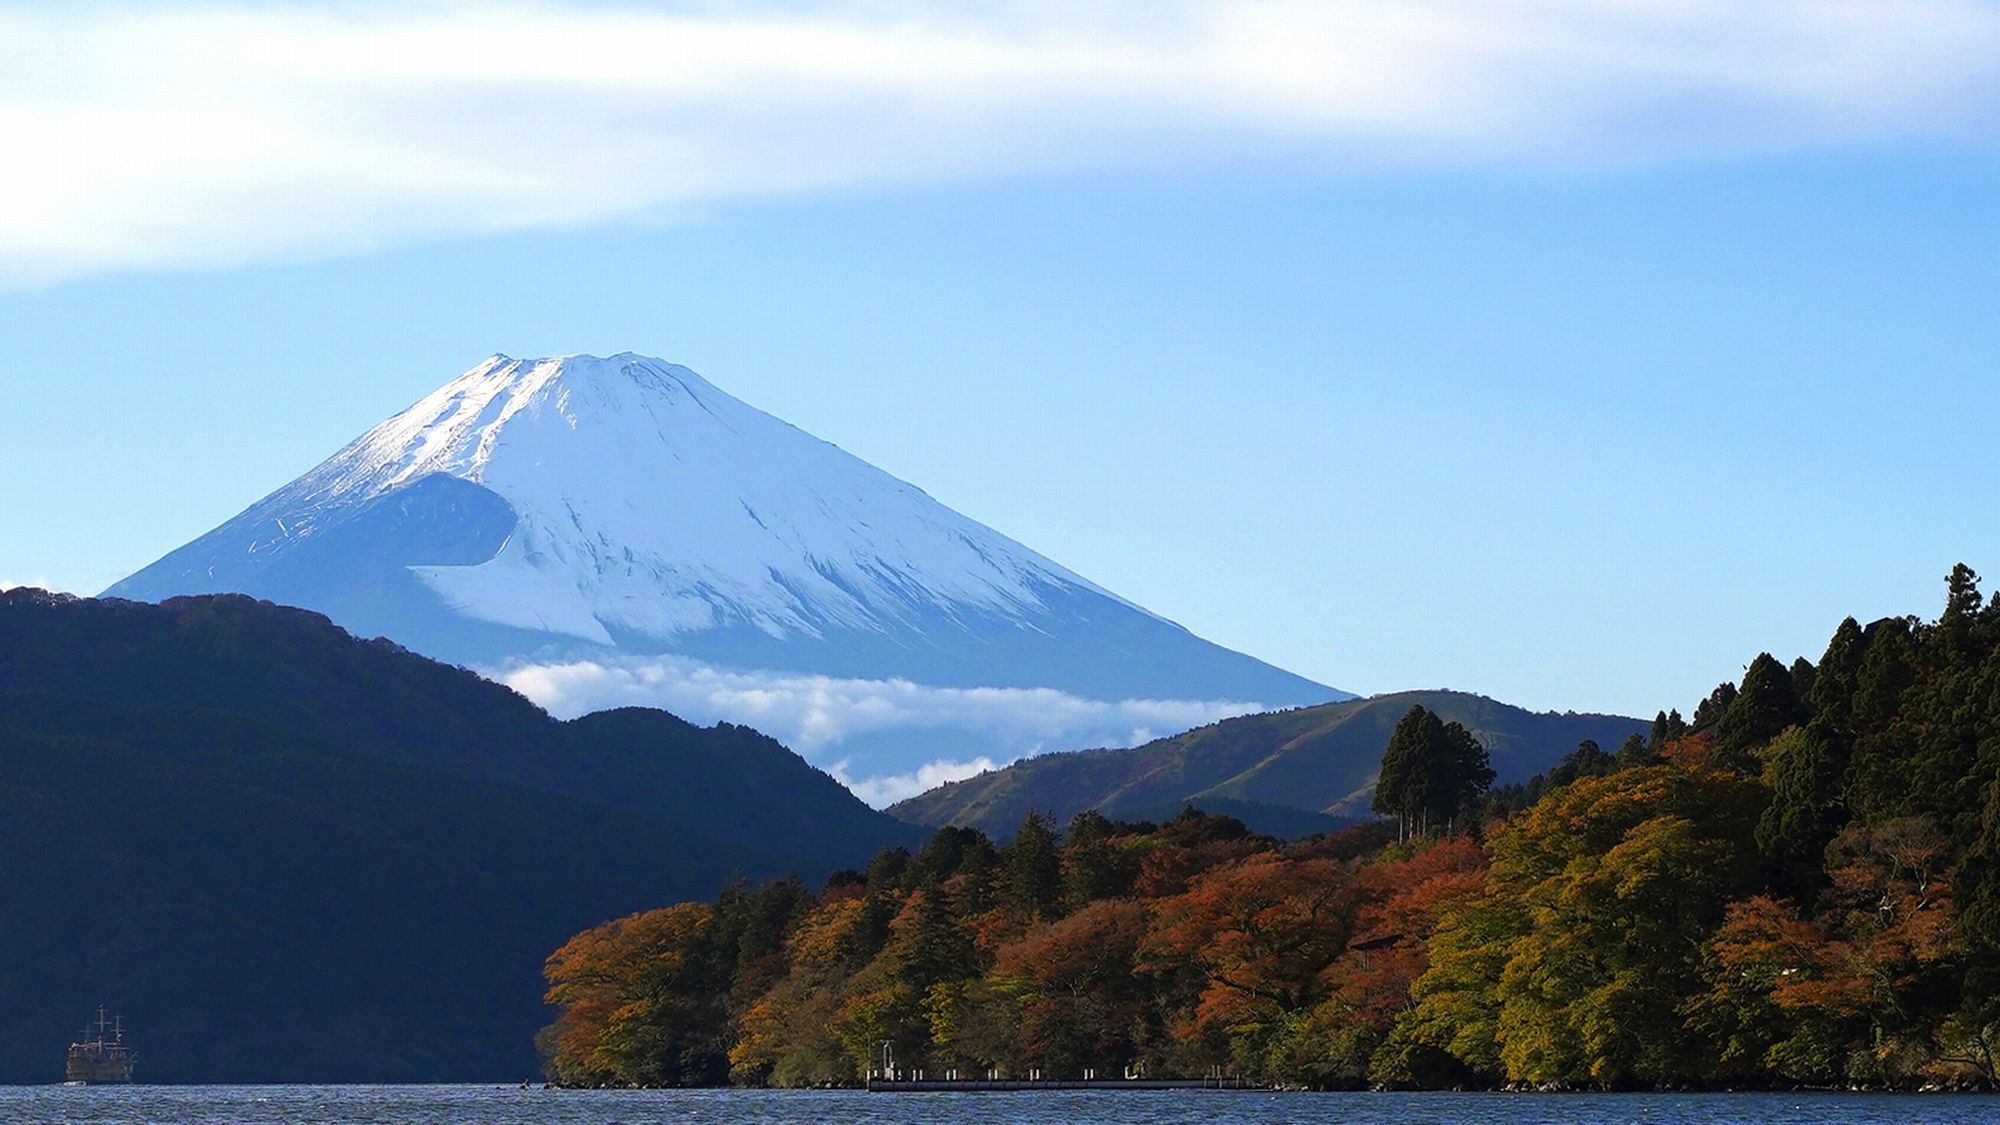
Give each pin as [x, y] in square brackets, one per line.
[1312, 760]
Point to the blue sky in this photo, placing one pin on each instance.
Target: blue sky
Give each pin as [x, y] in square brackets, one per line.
[1575, 378]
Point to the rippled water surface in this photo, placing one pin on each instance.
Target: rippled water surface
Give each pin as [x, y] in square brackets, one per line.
[355, 1105]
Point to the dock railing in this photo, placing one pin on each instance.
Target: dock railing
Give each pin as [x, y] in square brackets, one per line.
[900, 1081]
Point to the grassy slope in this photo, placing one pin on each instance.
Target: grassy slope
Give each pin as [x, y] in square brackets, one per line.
[1314, 759]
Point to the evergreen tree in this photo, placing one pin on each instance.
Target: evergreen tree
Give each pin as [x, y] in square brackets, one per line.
[1888, 669]
[1635, 751]
[1433, 774]
[1404, 785]
[1838, 676]
[754, 923]
[1587, 760]
[884, 883]
[1963, 608]
[1948, 769]
[1807, 771]
[1879, 782]
[1667, 726]
[1031, 871]
[1710, 710]
[1468, 775]
[1092, 868]
[936, 948]
[978, 875]
[887, 869]
[950, 851]
[1765, 706]
[1803, 675]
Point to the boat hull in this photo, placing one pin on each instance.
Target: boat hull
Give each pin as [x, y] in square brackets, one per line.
[88, 1068]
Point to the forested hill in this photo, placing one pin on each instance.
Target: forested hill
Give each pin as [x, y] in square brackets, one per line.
[290, 855]
[1796, 885]
[296, 670]
[1265, 769]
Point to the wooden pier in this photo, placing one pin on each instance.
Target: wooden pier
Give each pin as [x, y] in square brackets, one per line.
[966, 1085]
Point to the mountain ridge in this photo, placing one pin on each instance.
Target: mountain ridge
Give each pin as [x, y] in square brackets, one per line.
[296, 670]
[292, 855]
[1318, 760]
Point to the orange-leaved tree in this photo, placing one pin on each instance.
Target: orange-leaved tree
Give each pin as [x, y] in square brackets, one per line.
[640, 1000]
[1252, 939]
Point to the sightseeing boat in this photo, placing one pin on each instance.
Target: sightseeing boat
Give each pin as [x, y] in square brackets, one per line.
[100, 1054]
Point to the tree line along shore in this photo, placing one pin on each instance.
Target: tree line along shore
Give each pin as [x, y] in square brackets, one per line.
[1795, 885]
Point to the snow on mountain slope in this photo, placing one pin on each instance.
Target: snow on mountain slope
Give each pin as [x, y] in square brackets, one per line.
[579, 508]
[653, 504]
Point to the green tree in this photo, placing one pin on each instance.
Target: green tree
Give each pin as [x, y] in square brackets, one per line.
[1433, 774]
[1587, 760]
[1803, 675]
[1806, 770]
[1838, 677]
[1452, 1022]
[1635, 751]
[1031, 871]
[1667, 726]
[1879, 785]
[1573, 966]
[1093, 867]
[951, 851]
[1958, 626]
[934, 946]
[1766, 705]
[1467, 775]
[1710, 710]
[1404, 783]
[1592, 993]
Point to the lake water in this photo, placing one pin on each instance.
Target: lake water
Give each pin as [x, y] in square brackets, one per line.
[368, 1105]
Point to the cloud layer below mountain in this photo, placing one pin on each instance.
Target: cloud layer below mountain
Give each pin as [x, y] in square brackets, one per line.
[820, 716]
[165, 135]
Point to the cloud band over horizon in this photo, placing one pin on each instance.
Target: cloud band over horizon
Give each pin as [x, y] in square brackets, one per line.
[817, 716]
[163, 136]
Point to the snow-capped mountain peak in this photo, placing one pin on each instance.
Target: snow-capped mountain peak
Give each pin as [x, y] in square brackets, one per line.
[651, 504]
[578, 508]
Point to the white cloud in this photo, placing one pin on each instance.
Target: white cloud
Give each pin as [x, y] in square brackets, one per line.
[887, 789]
[820, 715]
[168, 135]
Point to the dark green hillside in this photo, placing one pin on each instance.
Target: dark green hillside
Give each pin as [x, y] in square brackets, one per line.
[265, 908]
[290, 855]
[297, 671]
[1314, 759]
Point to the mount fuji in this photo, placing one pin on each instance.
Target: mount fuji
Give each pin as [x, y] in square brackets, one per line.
[600, 531]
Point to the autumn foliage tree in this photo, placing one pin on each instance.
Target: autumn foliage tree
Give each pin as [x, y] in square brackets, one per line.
[639, 1002]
